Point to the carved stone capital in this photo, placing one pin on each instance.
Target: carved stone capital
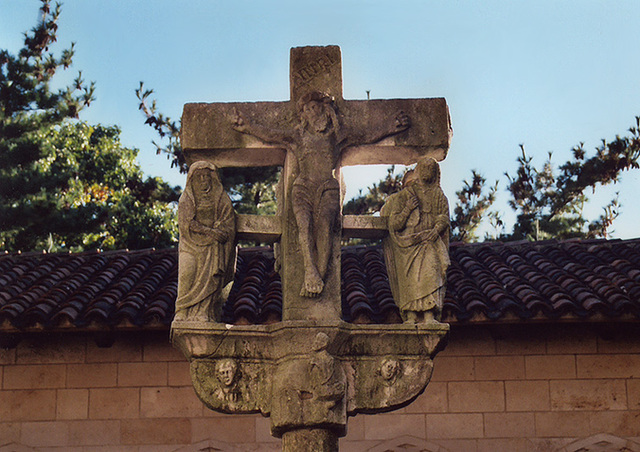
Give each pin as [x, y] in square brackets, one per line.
[309, 374]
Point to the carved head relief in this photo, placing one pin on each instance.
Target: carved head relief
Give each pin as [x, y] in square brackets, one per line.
[389, 369]
[409, 178]
[320, 342]
[226, 370]
[202, 180]
[428, 170]
[317, 112]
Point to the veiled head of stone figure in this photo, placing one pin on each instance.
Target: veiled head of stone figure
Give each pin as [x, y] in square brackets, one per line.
[317, 112]
[226, 370]
[428, 170]
[202, 180]
[409, 178]
[389, 368]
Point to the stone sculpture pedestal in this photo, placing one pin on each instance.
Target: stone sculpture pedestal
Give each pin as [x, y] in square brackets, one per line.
[311, 371]
[275, 366]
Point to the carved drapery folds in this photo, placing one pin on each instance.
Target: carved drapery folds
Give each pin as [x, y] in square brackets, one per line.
[206, 260]
[417, 248]
[316, 141]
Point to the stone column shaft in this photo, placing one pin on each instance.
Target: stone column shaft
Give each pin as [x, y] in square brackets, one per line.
[310, 439]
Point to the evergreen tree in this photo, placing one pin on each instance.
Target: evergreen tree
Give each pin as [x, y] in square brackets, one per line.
[373, 199]
[548, 202]
[472, 206]
[64, 184]
[252, 190]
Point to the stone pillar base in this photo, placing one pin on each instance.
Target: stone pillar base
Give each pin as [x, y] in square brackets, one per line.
[309, 439]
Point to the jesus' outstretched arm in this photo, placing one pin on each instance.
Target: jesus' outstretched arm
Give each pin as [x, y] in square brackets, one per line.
[266, 134]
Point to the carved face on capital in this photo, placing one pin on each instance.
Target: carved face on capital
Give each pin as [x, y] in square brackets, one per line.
[320, 342]
[202, 180]
[389, 368]
[226, 372]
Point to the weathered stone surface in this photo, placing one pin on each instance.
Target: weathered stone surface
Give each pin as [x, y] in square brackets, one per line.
[310, 391]
[211, 340]
[207, 132]
[417, 248]
[316, 142]
[230, 385]
[366, 227]
[206, 261]
[266, 228]
[316, 439]
[315, 68]
[310, 371]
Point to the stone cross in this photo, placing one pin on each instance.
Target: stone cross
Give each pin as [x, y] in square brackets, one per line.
[395, 131]
[312, 370]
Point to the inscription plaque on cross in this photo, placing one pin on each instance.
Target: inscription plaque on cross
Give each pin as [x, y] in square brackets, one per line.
[312, 370]
[312, 136]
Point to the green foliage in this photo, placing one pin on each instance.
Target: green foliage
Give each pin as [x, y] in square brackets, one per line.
[252, 190]
[548, 202]
[472, 207]
[85, 192]
[64, 184]
[373, 200]
[27, 103]
[167, 129]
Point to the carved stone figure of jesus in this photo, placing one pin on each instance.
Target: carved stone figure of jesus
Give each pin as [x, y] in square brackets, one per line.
[317, 142]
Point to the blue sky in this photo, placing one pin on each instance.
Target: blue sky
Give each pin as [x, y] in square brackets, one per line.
[547, 74]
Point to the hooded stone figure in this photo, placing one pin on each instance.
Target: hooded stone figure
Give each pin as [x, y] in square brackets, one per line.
[206, 261]
[417, 248]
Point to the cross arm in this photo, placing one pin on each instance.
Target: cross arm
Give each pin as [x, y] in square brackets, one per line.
[271, 136]
[208, 133]
[429, 133]
[268, 228]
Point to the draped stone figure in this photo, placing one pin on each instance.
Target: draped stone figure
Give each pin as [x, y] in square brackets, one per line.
[328, 380]
[206, 221]
[417, 248]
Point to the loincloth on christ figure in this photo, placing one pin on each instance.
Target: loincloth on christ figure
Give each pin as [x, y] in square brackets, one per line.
[323, 199]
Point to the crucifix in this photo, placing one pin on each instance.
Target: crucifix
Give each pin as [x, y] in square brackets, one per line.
[312, 370]
[312, 136]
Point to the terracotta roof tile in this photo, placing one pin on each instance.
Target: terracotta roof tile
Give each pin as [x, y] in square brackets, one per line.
[486, 282]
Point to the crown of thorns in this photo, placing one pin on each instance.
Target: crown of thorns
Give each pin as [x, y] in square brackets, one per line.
[315, 96]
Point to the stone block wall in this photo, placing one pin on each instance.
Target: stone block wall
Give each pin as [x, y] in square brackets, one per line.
[511, 388]
[539, 388]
